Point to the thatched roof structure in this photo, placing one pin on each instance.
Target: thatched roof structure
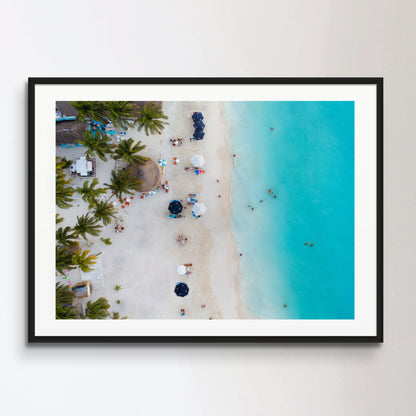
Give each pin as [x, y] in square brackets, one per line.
[150, 174]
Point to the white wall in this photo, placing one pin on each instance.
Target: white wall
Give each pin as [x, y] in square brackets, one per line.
[211, 38]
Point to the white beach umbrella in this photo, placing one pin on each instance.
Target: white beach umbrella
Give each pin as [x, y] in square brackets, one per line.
[198, 161]
[181, 269]
[199, 209]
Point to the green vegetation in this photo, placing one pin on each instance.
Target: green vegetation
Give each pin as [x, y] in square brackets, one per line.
[106, 241]
[89, 193]
[87, 225]
[90, 110]
[117, 288]
[66, 237]
[99, 145]
[65, 312]
[127, 151]
[58, 218]
[64, 299]
[121, 113]
[151, 118]
[116, 315]
[122, 183]
[104, 211]
[64, 191]
[64, 294]
[63, 260]
[84, 260]
[98, 309]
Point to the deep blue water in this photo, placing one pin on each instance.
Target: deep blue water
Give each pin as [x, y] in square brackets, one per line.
[308, 162]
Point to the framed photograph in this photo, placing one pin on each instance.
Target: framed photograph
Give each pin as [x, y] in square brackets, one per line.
[205, 210]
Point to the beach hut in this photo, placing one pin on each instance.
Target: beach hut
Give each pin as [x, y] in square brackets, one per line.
[197, 116]
[82, 166]
[82, 289]
[199, 134]
[198, 161]
[181, 289]
[175, 207]
[199, 209]
[181, 269]
[199, 124]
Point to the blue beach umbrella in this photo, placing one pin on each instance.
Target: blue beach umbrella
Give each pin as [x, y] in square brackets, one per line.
[199, 134]
[175, 207]
[181, 289]
[197, 116]
[199, 124]
[162, 162]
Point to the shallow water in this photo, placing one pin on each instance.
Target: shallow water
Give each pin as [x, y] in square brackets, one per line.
[308, 162]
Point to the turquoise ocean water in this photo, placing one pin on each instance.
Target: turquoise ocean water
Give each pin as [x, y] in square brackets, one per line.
[308, 162]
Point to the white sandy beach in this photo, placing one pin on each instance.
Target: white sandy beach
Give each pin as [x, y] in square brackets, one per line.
[143, 258]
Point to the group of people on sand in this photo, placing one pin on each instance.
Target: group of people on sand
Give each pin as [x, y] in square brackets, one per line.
[177, 142]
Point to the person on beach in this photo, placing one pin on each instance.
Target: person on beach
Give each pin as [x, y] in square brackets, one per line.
[218, 181]
[182, 312]
[270, 192]
[203, 306]
[219, 196]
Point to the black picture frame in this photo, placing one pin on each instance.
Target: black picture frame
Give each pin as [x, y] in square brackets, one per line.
[33, 338]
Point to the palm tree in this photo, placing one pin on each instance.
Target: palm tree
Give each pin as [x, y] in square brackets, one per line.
[63, 192]
[98, 309]
[65, 312]
[117, 288]
[64, 294]
[89, 193]
[104, 211]
[93, 110]
[58, 219]
[123, 183]
[151, 119]
[127, 150]
[63, 260]
[87, 225]
[121, 113]
[84, 260]
[64, 236]
[98, 144]
[61, 165]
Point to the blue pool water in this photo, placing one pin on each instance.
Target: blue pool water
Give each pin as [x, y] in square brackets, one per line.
[308, 162]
